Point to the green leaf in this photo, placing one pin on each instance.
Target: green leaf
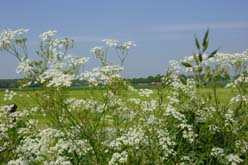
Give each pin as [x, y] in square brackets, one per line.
[186, 64]
[199, 69]
[205, 40]
[205, 46]
[196, 59]
[183, 80]
[206, 76]
[197, 43]
[213, 53]
[200, 57]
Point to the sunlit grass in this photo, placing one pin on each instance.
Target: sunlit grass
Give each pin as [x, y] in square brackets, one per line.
[27, 98]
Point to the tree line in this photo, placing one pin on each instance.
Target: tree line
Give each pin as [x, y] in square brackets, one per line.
[15, 83]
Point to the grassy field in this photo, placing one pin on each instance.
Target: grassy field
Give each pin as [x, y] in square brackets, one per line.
[27, 97]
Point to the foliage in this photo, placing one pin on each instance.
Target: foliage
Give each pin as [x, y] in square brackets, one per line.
[177, 126]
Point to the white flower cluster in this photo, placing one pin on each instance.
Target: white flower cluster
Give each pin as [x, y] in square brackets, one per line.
[229, 118]
[50, 141]
[234, 159]
[148, 105]
[84, 104]
[9, 95]
[56, 78]
[225, 60]
[188, 132]
[166, 143]
[242, 146]
[48, 35]
[238, 99]
[7, 37]
[111, 42]
[217, 152]
[127, 45]
[56, 68]
[119, 158]
[101, 76]
[174, 81]
[122, 50]
[175, 66]
[145, 92]
[134, 137]
[81, 147]
[97, 50]
[24, 67]
[170, 110]
[19, 161]
[76, 62]
[229, 60]
[134, 101]
[13, 121]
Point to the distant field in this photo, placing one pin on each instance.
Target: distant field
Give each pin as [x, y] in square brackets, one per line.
[27, 98]
[223, 94]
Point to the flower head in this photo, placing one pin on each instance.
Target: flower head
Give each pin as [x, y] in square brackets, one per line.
[111, 42]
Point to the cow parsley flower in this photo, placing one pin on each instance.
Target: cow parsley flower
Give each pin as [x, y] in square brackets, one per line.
[101, 76]
[217, 152]
[127, 45]
[59, 161]
[8, 95]
[234, 159]
[19, 161]
[7, 37]
[48, 35]
[119, 158]
[188, 132]
[145, 92]
[24, 67]
[110, 42]
[132, 137]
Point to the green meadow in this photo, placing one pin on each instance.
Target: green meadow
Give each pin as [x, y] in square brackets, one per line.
[27, 97]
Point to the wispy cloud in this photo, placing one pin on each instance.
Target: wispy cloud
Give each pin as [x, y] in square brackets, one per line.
[192, 27]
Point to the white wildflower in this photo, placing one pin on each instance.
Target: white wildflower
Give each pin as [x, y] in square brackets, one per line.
[7, 37]
[48, 35]
[234, 159]
[8, 95]
[119, 158]
[111, 42]
[127, 45]
[217, 152]
[24, 67]
[145, 92]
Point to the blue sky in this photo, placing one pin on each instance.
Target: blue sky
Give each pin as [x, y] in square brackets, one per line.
[163, 29]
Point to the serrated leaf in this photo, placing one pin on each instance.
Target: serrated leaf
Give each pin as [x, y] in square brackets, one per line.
[197, 43]
[186, 64]
[213, 53]
[196, 59]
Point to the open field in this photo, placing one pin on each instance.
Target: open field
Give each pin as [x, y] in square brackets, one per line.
[223, 94]
[27, 98]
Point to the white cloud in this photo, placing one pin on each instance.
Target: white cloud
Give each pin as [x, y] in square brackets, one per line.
[192, 27]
